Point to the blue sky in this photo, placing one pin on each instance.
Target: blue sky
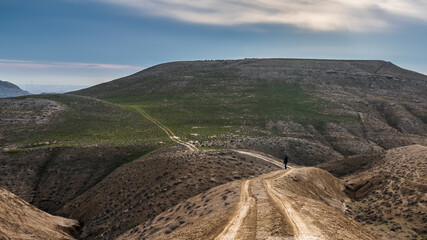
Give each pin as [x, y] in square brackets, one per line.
[86, 42]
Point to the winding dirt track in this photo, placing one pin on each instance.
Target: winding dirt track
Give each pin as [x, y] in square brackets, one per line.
[259, 156]
[169, 132]
[246, 203]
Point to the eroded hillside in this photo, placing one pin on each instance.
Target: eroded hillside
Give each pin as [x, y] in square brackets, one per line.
[390, 197]
[301, 203]
[139, 191]
[20, 220]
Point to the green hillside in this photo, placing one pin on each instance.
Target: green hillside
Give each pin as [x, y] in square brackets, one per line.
[215, 100]
[328, 106]
[82, 121]
[271, 105]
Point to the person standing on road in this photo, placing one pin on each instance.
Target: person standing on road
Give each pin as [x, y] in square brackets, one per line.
[285, 161]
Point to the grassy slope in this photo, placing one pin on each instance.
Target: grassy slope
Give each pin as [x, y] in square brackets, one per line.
[86, 121]
[322, 101]
[221, 103]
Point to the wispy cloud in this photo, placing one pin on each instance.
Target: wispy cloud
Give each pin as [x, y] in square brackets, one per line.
[320, 15]
[63, 65]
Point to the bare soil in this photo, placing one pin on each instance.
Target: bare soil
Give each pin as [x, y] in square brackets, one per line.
[20, 220]
[299, 203]
[49, 178]
[138, 191]
[390, 196]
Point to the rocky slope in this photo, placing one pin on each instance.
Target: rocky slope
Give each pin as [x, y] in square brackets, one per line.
[390, 197]
[20, 220]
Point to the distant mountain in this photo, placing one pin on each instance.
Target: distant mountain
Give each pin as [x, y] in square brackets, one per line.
[8, 89]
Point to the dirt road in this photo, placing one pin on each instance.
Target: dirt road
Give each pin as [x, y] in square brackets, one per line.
[259, 156]
[271, 207]
[260, 196]
[169, 132]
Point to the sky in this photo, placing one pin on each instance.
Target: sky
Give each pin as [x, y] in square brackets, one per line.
[87, 42]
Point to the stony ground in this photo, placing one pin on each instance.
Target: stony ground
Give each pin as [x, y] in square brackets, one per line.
[20, 220]
[390, 197]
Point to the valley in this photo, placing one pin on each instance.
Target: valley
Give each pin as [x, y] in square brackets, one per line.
[192, 150]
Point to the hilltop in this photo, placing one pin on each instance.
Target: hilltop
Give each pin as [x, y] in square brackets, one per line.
[8, 89]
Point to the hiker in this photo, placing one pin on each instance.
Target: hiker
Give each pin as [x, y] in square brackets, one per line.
[285, 161]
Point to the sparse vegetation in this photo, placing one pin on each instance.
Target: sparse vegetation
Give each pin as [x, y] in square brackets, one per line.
[84, 122]
[78, 151]
[226, 104]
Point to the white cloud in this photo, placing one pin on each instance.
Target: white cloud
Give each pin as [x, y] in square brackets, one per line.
[323, 15]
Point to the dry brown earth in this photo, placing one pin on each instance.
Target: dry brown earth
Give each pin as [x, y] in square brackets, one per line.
[301, 203]
[49, 178]
[144, 188]
[20, 220]
[390, 197]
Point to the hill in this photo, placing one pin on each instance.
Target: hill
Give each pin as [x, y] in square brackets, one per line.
[20, 220]
[390, 196]
[8, 89]
[333, 108]
[69, 120]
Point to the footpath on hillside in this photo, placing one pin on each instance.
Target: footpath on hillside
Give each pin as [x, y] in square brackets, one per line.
[168, 131]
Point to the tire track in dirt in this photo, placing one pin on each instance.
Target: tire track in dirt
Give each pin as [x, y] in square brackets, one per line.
[301, 227]
[169, 132]
[259, 156]
[246, 203]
